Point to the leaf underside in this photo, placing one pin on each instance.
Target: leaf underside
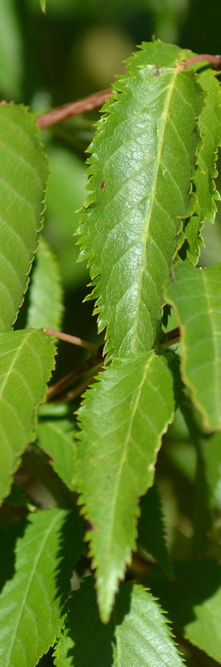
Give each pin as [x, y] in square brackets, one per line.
[26, 362]
[139, 194]
[196, 298]
[122, 418]
[22, 186]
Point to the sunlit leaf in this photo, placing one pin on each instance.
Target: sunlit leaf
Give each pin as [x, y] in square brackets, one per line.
[123, 418]
[26, 362]
[139, 194]
[32, 600]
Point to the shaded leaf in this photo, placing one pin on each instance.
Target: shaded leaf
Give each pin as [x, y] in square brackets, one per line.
[45, 294]
[123, 418]
[209, 127]
[22, 186]
[26, 362]
[137, 633]
[151, 531]
[56, 436]
[196, 297]
[139, 194]
[32, 600]
[194, 603]
[10, 51]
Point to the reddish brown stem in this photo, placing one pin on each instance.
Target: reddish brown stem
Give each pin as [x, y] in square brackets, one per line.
[214, 60]
[67, 110]
[74, 340]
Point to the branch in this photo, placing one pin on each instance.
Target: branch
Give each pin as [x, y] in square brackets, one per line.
[214, 60]
[67, 110]
[74, 340]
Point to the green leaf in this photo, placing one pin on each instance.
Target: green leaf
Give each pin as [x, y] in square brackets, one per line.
[43, 5]
[10, 51]
[65, 195]
[32, 599]
[151, 531]
[56, 436]
[137, 633]
[45, 294]
[123, 418]
[26, 362]
[211, 452]
[139, 194]
[22, 186]
[194, 603]
[209, 127]
[196, 297]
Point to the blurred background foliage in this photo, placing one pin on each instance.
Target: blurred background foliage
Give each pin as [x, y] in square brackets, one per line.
[48, 60]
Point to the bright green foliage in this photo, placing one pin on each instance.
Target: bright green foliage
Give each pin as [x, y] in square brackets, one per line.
[22, 186]
[122, 418]
[194, 604]
[196, 297]
[151, 531]
[56, 435]
[45, 295]
[26, 362]
[136, 635]
[151, 185]
[44, 547]
[139, 194]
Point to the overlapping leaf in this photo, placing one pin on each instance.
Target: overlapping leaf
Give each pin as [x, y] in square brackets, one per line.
[22, 185]
[194, 604]
[32, 600]
[26, 362]
[209, 127]
[196, 298]
[45, 294]
[137, 633]
[140, 193]
[56, 435]
[123, 418]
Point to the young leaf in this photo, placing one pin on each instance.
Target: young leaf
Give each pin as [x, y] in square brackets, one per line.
[209, 127]
[196, 297]
[26, 362]
[139, 194]
[151, 532]
[56, 436]
[32, 600]
[137, 633]
[45, 294]
[123, 418]
[23, 181]
[194, 603]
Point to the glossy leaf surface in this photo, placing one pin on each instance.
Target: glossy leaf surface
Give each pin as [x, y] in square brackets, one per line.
[26, 362]
[196, 297]
[123, 418]
[22, 186]
[139, 194]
